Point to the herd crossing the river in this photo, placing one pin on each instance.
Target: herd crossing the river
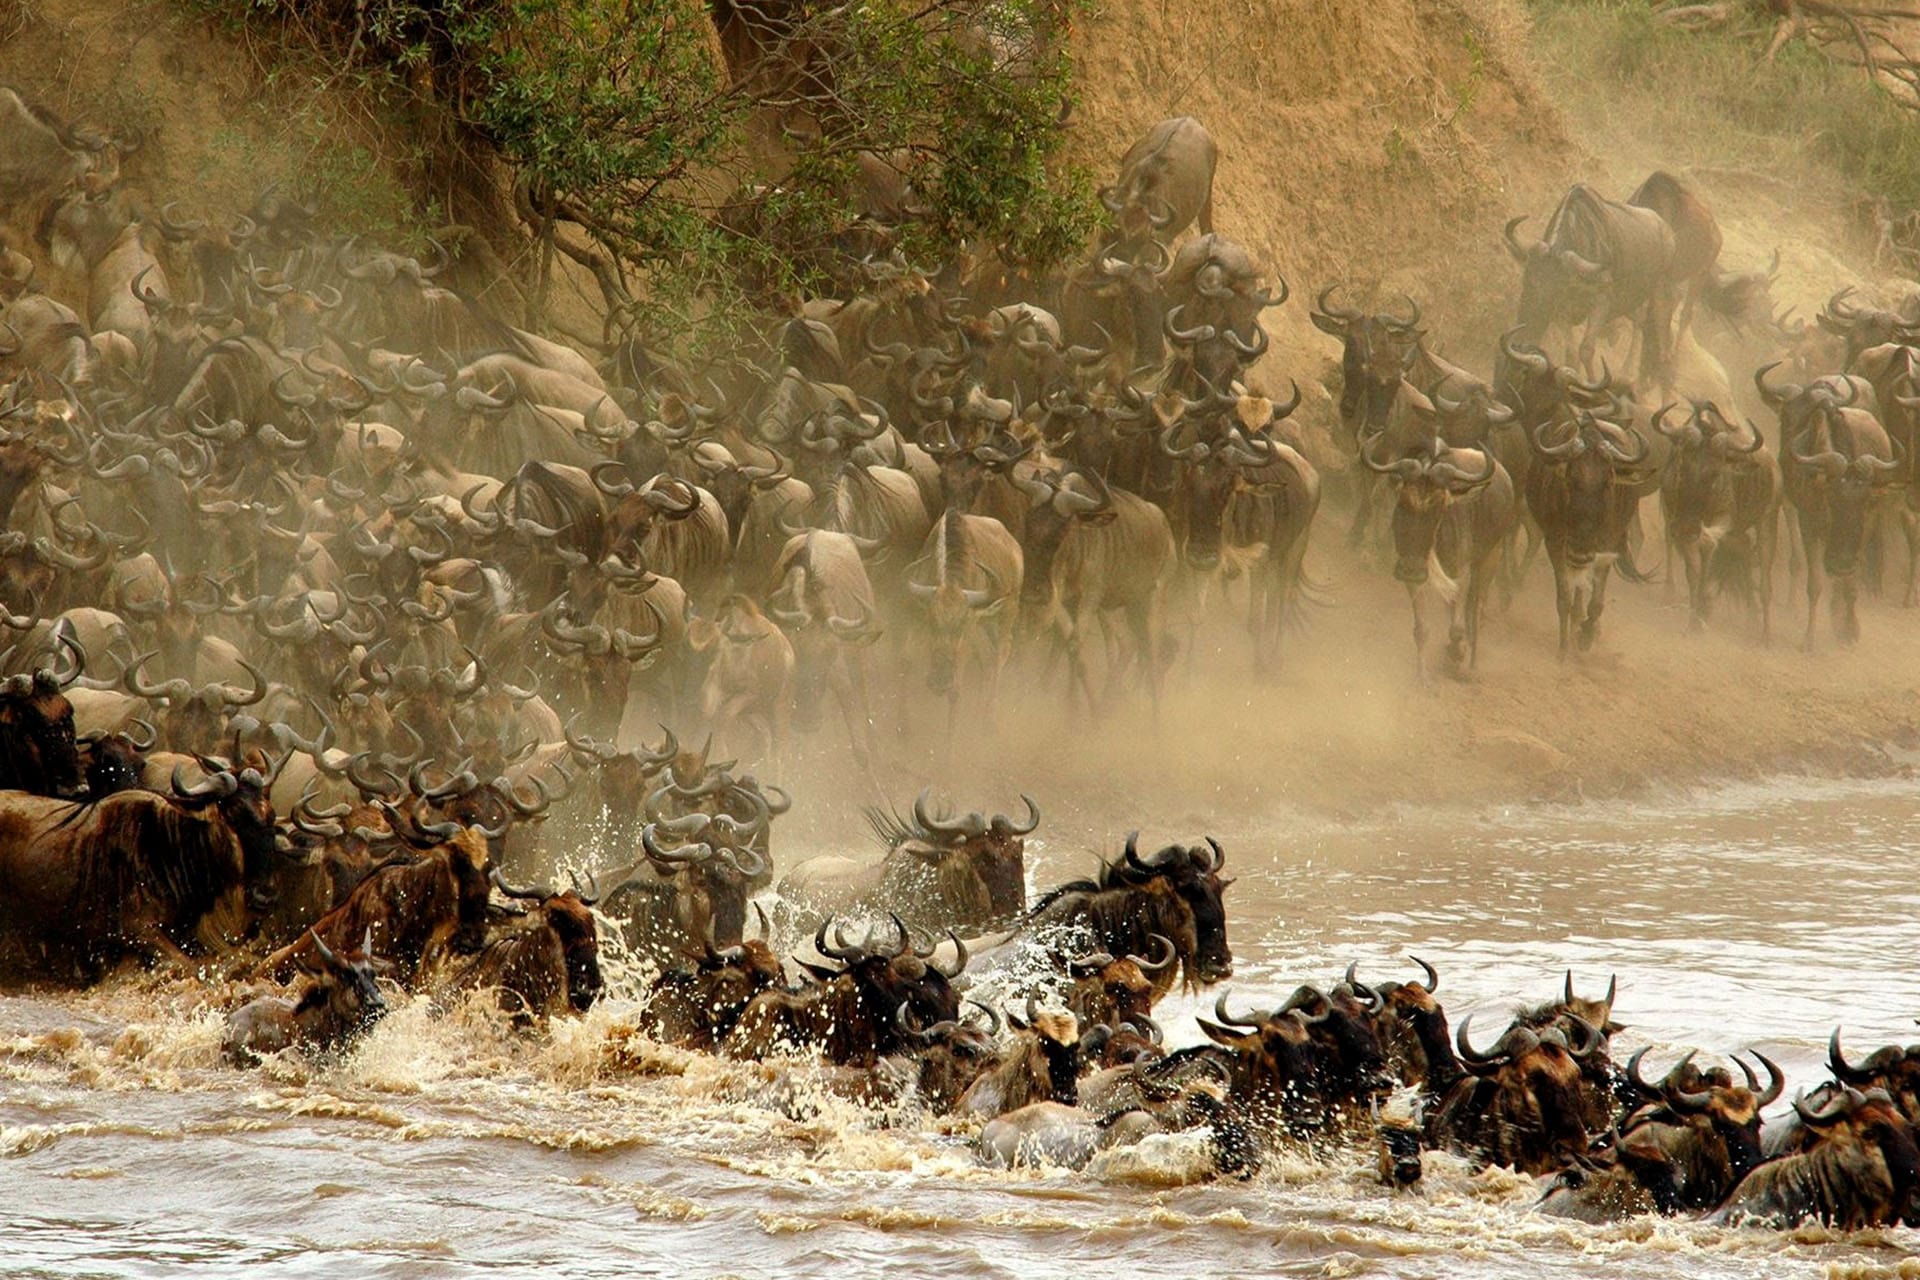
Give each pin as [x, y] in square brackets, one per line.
[331, 601]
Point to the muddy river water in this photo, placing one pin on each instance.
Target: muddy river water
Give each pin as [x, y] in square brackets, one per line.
[1759, 916]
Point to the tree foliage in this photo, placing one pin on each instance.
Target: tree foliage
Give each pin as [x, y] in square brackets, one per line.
[737, 145]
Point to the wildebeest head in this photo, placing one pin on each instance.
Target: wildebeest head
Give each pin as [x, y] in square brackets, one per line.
[243, 802]
[890, 979]
[1562, 274]
[1114, 990]
[952, 1054]
[1729, 1112]
[1892, 1068]
[1376, 352]
[1539, 1072]
[345, 997]
[1047, 1050]
[115, 761]
[38, 752]
[1698, 479]
[967, 870]
[1222, 464]
[1275, 1057]
[1059, 501]
[1597, 457]
[1862, 327]
[710, 875]
[1847, 457]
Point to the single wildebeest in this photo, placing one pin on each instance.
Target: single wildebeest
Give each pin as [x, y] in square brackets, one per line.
[697, 1007]
[1600, 260]
[1840, 467]
[38, 753]
[1111, 991]
[939, 872]
[336, 1006]
[419, 908]
[971, 576]
[1584, 491]
[1720, 499]
[1092, 550]
[1522, 1104]
[1176, 894]
[1860, 1169]
[852, 1014]
[83, 886]
[1453, 511]
[1165, 183]
[548, 963]
[1041, 1064]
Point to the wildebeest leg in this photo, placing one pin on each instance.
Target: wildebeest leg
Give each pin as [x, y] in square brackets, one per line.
[1846, 619]
[1600, 570]
[1796, 546]
[1419, 635]
[1485, 571]
[850, 692]
[1816, 575]
[163, 948]
[1140, 625]
[1369, 487]
[1562, 594]
[1693, 562]
[1766, 548]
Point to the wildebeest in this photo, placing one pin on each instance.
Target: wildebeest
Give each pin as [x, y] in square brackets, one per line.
[938, 872]
[1376, 353]
[1860, 1169]
[1720, 496]
[1522, 1103]
[1110, 991]
[1451, 518]
[696, 1002]
[1040, 1064]
[1583, 490]
[1840, 465]
[1055, 1135]
[690, 887]
[38, 753]
[336, 1006]
[1175, 894]
[974, 573]
[83, 886]
[1092, 550]
[418, 908]
[852, 1014]
[1597, 261]
[1166, 182]
[1243, 491]
[548, 962]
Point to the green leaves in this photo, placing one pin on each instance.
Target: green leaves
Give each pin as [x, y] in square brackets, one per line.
[724, 159]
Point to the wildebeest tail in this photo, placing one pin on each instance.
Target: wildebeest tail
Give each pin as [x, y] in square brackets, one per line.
[1628, 569]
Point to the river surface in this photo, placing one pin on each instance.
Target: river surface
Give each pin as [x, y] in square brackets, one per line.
[1757, 916]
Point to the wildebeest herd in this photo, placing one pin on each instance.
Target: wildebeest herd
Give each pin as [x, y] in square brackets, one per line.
[331, 601]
